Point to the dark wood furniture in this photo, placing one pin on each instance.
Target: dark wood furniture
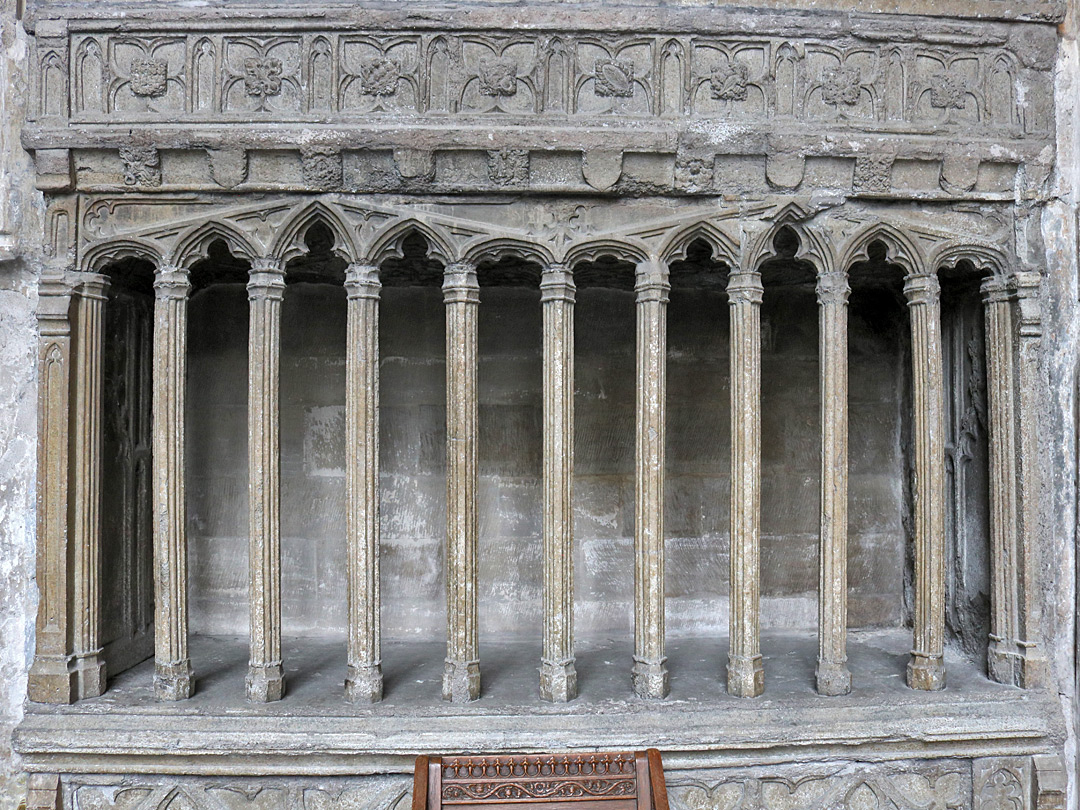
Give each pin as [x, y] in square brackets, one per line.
[627, 780]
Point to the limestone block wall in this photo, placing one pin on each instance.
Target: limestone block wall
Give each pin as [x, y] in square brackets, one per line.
[20, 226]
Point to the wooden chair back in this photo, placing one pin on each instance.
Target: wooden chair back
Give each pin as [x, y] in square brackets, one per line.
[630, 780]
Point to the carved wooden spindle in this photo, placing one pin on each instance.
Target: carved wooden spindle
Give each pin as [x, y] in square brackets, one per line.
[833, 676]
[558, 676]
[50, 678]
[926, 669]
[89, 346]
[266, 290]
[745, 675]
[461, 294]
[172, 666]
[650, 672]
[364, 683]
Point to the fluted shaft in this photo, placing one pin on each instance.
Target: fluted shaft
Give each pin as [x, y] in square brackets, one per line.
[650, 672]
[461, 294]
[833, 676]
[926, 669]
[172, 665]
[266, 289]
[558, 675]
[1013, 338]
[50, 678]
[746, 677]
[89, 663]
[364, 682]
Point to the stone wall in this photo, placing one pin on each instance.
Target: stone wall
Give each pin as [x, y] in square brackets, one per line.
[20, 227]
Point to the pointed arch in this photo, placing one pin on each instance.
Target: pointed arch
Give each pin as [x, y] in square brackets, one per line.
[388, 243]
[99, 256]
[813, 247]
[725, 248]
[990, 259]
[901, 249]
[624, 249]
[290, 241]
[195, 244]
[504, 247]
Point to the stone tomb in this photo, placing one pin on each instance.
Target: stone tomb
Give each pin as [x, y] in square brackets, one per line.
[409, 383]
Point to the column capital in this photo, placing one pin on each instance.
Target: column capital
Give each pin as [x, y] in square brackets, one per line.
[557, 284]
[362, 281]
[995, 290]
[460, 285]
[922, 290]
[651, 281]
[266, 281]
[833, 287]
[1027, 285]
[54, 303]
[745, 287]
[171, 281]
[94, 285]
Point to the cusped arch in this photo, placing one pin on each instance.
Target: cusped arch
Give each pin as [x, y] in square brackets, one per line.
[990, 259]
[725, 248]
[900, 248]
[387, 244]
[627, 250]
[508, 247]
[99, 256]
[813, 247]
[195, 244]
[290, 242]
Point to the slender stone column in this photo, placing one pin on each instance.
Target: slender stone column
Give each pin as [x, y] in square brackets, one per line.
[650, 673]
[1002, 654]
[172, 666]
[926, 669]
[89, 345]
[461, 293]
[51, 679]
[746, 678]
[833, 676]
[266, 289]
[558, 675]
[1032, 668]
[364, 683]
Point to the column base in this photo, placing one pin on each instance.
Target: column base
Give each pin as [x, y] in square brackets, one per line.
[833, 678]
[173, 681]
[90, 675]
[558, 681]
[461, 681]
[52, 680]
[364, 684]
[745, 677]
[265, 683]
[926, 672]
[1016, 664]
[650, 678]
